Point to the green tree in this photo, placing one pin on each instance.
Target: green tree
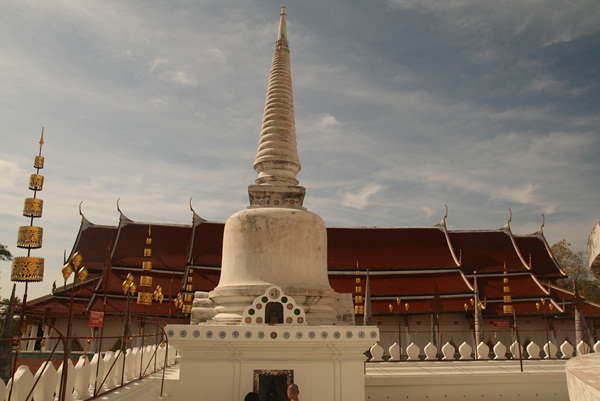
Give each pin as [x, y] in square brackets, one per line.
[5, 253]
[576, 264]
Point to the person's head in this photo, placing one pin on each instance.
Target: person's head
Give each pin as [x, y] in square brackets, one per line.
[293, 391]
[251, 396]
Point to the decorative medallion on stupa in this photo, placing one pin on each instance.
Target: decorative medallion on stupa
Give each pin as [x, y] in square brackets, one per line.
[30, 268]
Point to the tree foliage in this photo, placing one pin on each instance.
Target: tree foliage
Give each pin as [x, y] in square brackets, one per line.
[578, 272]
[5, 253]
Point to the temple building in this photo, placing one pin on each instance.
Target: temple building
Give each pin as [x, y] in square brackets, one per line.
[416, 284]
[431, 270]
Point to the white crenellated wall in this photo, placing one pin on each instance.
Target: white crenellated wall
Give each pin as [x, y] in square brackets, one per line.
[455, 329]
[84, 376]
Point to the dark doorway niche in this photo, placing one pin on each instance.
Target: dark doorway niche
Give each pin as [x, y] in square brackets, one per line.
[274, 313]
[271, 385]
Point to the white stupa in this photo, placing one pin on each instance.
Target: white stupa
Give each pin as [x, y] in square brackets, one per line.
[273, 319]
[276, 241]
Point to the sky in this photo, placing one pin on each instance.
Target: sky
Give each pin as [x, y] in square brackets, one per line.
[401, 107]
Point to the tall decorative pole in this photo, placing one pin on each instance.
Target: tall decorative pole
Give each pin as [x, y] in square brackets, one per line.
[580, 326]
[29, 268]
[74, 265]
[359, 308]
[391, 307]
[407, 323]
[145, 293]
[368, 319]
[129, 289]
[508, 310]
[436, 306]
[81, 272]
[542, 306]
[507, 307]
[188, 294]
[477, 317]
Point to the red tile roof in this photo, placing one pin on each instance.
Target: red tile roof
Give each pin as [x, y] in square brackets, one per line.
[487, 251]
[388, 248]
[412, 263]
[543, 262]
[170, 245]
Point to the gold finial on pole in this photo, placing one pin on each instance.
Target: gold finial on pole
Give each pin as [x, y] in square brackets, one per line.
[42, 140]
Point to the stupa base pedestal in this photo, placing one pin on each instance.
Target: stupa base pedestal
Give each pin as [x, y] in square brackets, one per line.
[322, 307]
[225, 362]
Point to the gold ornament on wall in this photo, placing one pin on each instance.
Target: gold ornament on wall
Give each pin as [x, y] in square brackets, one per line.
[144, 298]
[145, 281]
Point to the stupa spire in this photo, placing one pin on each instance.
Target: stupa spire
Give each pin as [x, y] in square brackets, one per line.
[282, 41]
[277, 161]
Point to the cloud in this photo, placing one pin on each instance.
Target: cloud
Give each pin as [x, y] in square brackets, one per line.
[128, 55]
[183, 78]
[158, 62]
[10, 173]
[327, 120]
[550, 21]
[217, 53]
[522, 193]
[360, 200]
[544, 83]
[428, 211]
[547, 83]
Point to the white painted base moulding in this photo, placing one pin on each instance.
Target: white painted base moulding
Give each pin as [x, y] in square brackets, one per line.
[221, 362]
